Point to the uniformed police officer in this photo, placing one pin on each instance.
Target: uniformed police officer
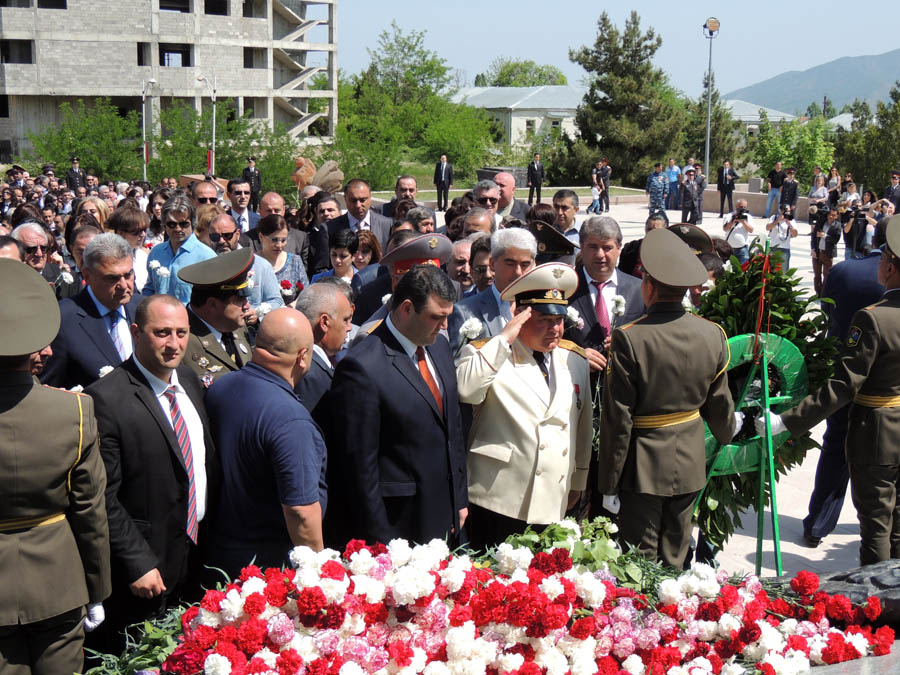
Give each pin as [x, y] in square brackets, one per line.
[54, 541]
[530, 440]
[219, 341]
[666, 374]
[254, 179]
[868, 374]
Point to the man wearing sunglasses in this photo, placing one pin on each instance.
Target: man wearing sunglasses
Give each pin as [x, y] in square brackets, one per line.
[205, 192]
[36, 241]
[239, 196]
[487, 196]
[223, 236]
[182, 249]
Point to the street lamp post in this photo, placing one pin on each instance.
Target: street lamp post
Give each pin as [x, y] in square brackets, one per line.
[211, 164]
[710, 30]
[145, 87]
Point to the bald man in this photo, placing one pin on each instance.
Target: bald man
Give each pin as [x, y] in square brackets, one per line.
[509, 206]
[298, 241]
[273, 489]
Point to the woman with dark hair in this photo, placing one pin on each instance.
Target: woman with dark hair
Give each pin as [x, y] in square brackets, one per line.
[131, 224]
[369, 251]
[543, 213]
[156, 231]
[289, 269]
[834, 186]
[342, 246]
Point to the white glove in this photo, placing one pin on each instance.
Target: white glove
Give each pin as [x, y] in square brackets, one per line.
[611, 503]
[738, 423]
[774, 421]
[95, 616]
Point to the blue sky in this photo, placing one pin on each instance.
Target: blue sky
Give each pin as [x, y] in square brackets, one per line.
[758, 39]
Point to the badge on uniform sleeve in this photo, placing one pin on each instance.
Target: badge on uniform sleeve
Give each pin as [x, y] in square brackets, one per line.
[853, 336]
[578, 397]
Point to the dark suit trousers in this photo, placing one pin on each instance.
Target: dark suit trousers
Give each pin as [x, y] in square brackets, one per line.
[489, 529]
[659, 527]
[54, 645]
[531, 191]
[689, 213]
[723, 195]
[832, 476]
[254, 201]
[874, 491]
[443, 196]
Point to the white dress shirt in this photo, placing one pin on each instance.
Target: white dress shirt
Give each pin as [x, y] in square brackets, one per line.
[122, 328]
[322, 355]
[357, 225]
[505, 310]
[241, 218]
[407, 346]
[609, 291]
[194, 427]
[551, 376]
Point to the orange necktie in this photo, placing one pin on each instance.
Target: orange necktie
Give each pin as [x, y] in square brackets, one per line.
[429, 380]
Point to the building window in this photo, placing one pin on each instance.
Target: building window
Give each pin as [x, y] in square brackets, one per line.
[16, 51]
[52, 4]
[143, 53]
[217, 7]
[4, 105]
[554, 124]
[175, 55]
[5, 151]
[254, 57]
[183, 6]
[22, 4]
[529, 126]
[254, 9]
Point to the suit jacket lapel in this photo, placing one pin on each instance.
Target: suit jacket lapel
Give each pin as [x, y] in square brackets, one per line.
[492, 312]
[209, 343]
[522, 362]
[317, 363]
[95, 326]
[563, 390]
[407, 368]
[145, 394]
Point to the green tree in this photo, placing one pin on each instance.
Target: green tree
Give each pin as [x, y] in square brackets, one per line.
[814, 109]
[629, 111]
[107, 143]
[405, 69]
[463, 133]
[724, 131]
[801, 144]
[504, 72]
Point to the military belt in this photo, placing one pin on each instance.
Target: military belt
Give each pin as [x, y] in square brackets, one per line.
[667, 420]
[29, 523]
[877, 401]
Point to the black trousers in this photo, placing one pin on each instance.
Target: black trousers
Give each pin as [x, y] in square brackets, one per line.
[726, 194]
[254, 201]
[832, 476]
[604, 199]
[443, 195]
[531, 191]
[689, 213]
[488, 528]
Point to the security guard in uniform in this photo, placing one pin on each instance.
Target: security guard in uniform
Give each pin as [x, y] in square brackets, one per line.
[54, 541]
[530, 439]
[219, 341]
[254, 179]
[666, 374]
[868, 374]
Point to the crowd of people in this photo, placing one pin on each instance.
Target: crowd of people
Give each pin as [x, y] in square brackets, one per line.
[227, 382]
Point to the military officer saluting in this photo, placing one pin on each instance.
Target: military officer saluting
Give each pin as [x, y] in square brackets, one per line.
[530, 440]
[54, 541]
[666, 374]
[868, 375]
[219, 341]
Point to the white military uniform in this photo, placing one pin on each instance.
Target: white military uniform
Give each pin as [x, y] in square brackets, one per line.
[527, 447]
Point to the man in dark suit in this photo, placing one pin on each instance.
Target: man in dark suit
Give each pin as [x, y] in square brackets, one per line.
[397, 466]
[509, 206]
[535, 178]
[725, 181]
[443, 181]
[160, 466]
[892, 191]
[405, 188]
[239, 196]
[513, 253]
[253, 178]
[326, 305]
[94, 335]
[689, 196]
[359, 216]
[76, 177]
[297, 241]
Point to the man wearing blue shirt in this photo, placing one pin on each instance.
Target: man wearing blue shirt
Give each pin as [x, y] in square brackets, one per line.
[673, 175]
[273, 456]
[179, 216]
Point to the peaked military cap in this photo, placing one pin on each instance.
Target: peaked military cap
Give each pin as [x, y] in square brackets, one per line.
[693, 236]
[551, 243]
[545, 288]
[29, 317]
[892, 232]
[427, 249]
[670, 261]
[228, 273]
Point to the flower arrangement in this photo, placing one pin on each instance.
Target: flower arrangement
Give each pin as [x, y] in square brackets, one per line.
[402, 609]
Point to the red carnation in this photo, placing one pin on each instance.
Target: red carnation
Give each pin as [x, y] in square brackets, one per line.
[749, 633]
[606, 665]
[300, 286]
[235, 656]
[276, 593]
[401, 653]
[839, 608]
[288, 662]
[256, 667]
[186, 660]
[254, 604]
[530, 668]
[883, 641]
[728, 597]
[251, 571]
[333, 617]
[543, 563]
[872, 610]
[189, 615]
[709, 611]
[211, 600]
[798, 643]
[332, 570]
[766, 668]
[317, 667]
[203, 637]
[805, 583]
[818, 612]
[311, 601]
[838, 650]
[354, 546]
[251, 635]
[562, 559]
[459, 615]
[583, 628]
[286, 284]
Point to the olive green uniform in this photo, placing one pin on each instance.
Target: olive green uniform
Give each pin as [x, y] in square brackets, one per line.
[665, 376]
[54, 541]
[205, 355]
[868, 375]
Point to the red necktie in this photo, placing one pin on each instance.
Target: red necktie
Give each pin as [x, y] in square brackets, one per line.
[600, 308]
[429, 380]
[184, 442]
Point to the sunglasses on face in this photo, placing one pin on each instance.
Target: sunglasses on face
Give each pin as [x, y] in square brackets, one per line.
[216, 237]
[183, 225]
[207, 200]
[31, 250]
[487, 200]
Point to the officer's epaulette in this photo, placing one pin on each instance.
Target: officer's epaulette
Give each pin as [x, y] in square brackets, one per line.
[375, 325]
[478, 344]
[880, 302]
[572, 347]
[68, 391]
[629, 325]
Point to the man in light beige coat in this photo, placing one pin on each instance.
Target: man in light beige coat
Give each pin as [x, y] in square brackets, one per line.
[530, 441]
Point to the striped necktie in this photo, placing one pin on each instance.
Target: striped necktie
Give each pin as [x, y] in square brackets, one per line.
[184, 443]
[114, 318]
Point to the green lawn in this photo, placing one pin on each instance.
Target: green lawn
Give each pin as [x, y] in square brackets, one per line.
[546, 191]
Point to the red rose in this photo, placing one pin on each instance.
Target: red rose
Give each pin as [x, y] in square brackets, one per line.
[805, 583]
[300, 286]
[286, 284]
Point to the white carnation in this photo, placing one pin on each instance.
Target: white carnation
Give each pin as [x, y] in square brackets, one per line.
[708, 630]
[433, 668]
[454, 575]
[351, 668]
[670, 592]
[633, 665]
[153, 265]
[67, 278]
[77, 389]
[510, 559]
[471, 328]
[302, 556]
[731, 668]
[216, 664]
[618, 305]
[590, 589]
[163, 272]
[430, 555]
[410, 584]
[232, 606]
[399, 551]
[858, 641]
[104, 371]
[264, 308]
[268, 656]
[552, 587]
[572, 314]
[727, 623]
[460, 640]
[362, 561]
[385, 299]
[553, 660]
[334, 589]
[253, 585]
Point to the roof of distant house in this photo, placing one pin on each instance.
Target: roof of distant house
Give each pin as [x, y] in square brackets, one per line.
[842, 121]
[548, 97]
[749, 112]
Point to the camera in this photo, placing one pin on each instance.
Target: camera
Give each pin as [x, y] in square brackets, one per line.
[740, 214]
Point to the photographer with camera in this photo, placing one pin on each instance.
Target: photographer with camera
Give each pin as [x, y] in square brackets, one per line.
[875, 220]
[739, 226]
[781, 231]
[824, 238]
[853, 222]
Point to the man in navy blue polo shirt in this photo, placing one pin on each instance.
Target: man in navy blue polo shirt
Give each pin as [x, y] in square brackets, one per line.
[273, 455]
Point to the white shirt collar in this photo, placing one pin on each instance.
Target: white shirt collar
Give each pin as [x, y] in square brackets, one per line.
[354, 223]
[157, 385]
[405, 343]
[321, 352]
[216, 334]
[612, 282]
[103, 309]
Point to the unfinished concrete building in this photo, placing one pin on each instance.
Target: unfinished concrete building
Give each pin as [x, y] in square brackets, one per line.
[264, 54]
